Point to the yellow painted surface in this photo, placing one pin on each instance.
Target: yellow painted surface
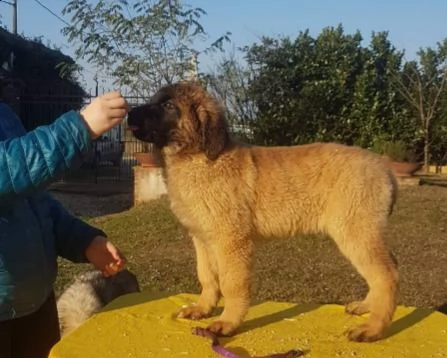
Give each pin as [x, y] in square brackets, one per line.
[144, 325]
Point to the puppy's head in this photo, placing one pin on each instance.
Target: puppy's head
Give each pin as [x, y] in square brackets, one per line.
[183, 117]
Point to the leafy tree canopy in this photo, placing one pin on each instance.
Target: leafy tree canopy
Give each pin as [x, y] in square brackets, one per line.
[141, 44]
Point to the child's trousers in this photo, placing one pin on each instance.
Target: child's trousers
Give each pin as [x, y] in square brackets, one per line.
[31, 336]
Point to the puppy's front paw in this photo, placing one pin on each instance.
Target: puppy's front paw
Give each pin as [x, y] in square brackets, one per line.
[357, 308]
[222, 328]
[194, 312]
[365, 333]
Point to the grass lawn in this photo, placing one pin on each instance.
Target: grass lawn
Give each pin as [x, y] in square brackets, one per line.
[303, 269]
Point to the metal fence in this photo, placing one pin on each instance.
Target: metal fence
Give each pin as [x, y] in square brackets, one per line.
[111, 157]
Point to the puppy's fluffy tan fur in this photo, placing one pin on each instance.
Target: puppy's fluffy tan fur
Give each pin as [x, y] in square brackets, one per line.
[229, 194]
[90, 292]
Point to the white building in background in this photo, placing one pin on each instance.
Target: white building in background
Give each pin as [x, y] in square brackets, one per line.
[193, 73]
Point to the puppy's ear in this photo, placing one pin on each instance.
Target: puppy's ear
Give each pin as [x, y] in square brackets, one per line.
[214, 132]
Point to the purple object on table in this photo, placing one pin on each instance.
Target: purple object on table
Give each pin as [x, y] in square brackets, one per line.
[218, 348]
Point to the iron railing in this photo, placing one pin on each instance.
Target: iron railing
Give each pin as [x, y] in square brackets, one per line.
[112, 156]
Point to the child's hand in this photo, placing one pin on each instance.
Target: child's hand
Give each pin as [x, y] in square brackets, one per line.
[104, 113]
[105, 256]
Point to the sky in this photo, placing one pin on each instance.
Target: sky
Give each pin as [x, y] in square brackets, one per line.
[411, 24]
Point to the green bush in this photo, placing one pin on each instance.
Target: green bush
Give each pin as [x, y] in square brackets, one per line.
[395, 150]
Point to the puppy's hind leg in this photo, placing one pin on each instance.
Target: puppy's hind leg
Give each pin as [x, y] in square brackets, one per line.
[208, 278]
[365, 249]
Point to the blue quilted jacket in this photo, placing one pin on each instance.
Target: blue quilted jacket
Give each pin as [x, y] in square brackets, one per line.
[34, 228]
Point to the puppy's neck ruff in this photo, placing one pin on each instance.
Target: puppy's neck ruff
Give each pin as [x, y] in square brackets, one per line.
[176, 153]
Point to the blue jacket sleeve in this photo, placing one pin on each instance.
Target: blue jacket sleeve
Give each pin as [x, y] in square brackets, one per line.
[30, 161]
[72, 235]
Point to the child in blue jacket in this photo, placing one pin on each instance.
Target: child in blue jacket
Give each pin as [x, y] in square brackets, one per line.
[35, 229]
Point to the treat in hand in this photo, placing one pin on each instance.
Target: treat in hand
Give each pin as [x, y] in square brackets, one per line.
[104, 112]
[102, 254]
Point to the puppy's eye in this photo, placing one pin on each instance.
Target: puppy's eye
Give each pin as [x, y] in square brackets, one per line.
[168, 105]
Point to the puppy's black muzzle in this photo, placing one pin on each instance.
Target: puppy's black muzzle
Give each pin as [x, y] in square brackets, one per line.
[145, 122]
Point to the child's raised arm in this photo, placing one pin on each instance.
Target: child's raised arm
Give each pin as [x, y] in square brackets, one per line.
[28, 162]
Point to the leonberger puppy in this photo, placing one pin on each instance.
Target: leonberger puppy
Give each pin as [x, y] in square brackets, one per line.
[229, 194]
[90, 292]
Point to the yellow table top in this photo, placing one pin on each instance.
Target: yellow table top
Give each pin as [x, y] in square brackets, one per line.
[144, 325]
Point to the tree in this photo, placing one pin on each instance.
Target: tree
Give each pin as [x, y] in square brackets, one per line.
[423, 84]
[438, 142]
[141, 44]
[328, 88]
[229, 81]
[303, 88]
[378, 108]
[275, 88]
[37, 84]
